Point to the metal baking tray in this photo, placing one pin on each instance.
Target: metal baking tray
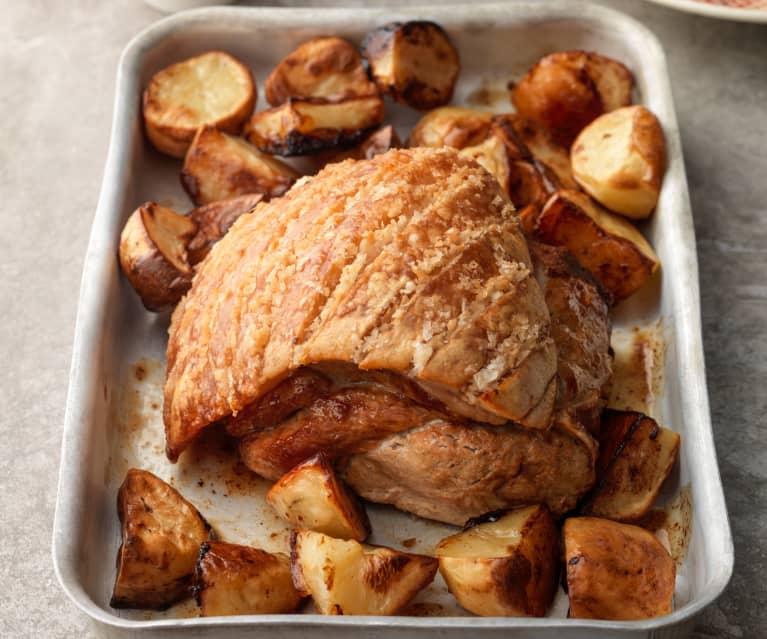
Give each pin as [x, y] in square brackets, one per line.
[113, 412]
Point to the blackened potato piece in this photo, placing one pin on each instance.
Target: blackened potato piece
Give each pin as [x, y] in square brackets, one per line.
[161, 537]
[306, 126]
[413, 62]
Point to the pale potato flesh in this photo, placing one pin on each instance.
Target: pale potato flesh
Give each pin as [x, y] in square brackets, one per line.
[161, 537]
[616, 571]
[491, 155]
[505, 566]
[305, 126]
[619, 160]
[328, 67]
[413, 62]
[311, 496]
[239, 580]
[212, 88]
[220, 166]
[347, 578]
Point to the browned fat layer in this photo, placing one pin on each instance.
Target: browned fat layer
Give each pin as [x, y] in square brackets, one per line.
[347, 422]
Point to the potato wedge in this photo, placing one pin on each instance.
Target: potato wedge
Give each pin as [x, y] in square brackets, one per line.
[347, 578]
[213, 88]
[636, 456]
[312, 496]
[529, 140]
[505, 564]
[329, 68]
[213, 221]
[566, 90]
[306, 126]
[619, 159]
[525, 183]
[606, 245]
[161, 537]
[239, 580]
[154, 254]
[456, 127]
[219, 166]
[616, 571]
[413, 62]
[493, 156]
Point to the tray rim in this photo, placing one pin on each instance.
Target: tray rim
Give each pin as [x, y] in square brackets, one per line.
[100, 265]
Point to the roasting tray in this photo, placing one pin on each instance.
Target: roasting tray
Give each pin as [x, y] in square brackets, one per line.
[113, 412]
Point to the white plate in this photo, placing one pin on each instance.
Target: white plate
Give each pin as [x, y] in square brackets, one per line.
[748, 11]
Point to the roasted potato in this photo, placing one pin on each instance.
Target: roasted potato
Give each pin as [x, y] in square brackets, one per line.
[616, 571]
[503, 565]
[219, 166]
[311, 496]
[619, 159]
[413, 62]
[213, 221]
[608, 246]
[456, 127]
[306, 126]
[493, 156]
[568, 89]
[529, 140]
[347, 578]
[213, 88]
[154, 254]
[239, 580]
[161, 537]
[636, 456]
[526, 183]
[377, 142]
[329, 68]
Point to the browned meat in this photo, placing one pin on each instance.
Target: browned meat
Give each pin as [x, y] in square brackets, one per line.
[290, 395]
[349, 421]
[580, 326]
[451, 472]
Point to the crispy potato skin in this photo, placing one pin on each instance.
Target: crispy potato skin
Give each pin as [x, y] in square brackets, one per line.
[347, 578]
[636, 456]
[617, 255]
[240, 580]
[568, 89]
[329, 68]
[298, 127]
[456, 127]
[161, 537]
[616, 571]
[413, 62]
[516, 576]
[312, 496]
[619, 159]
[160, 279]
[213, 221]
[171, 110]
[219, 166]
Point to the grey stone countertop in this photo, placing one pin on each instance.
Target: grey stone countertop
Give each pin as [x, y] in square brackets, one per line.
[57, 64]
